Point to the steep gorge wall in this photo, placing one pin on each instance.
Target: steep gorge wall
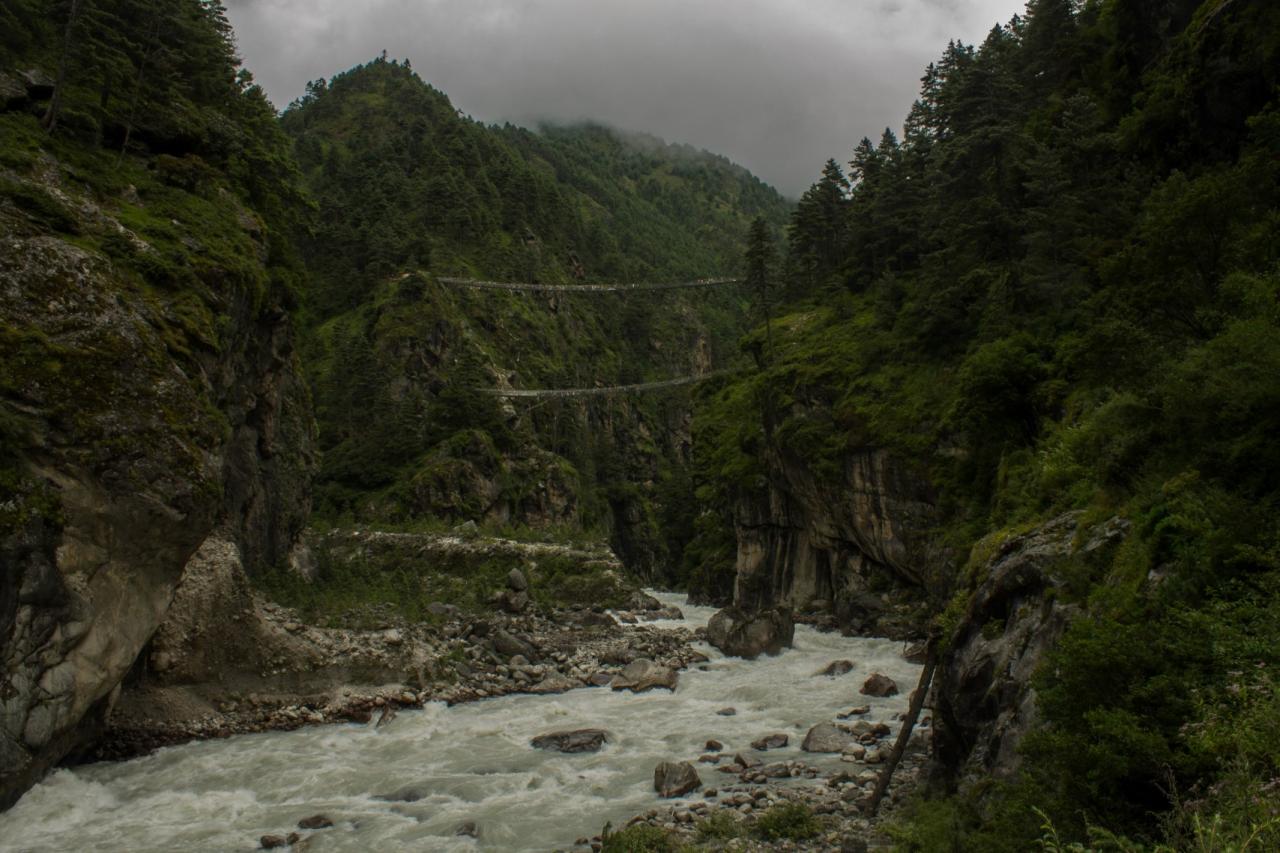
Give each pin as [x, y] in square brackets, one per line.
[137, 422]
[857, 544]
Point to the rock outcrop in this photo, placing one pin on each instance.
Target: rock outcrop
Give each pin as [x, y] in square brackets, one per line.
[749, 635]
[985, 703]
[135, 426]
[856, 544]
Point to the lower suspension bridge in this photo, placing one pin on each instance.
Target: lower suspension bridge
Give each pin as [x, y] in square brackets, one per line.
[607, 287]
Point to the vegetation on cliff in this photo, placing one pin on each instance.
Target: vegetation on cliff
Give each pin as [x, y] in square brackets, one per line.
[1058, 290]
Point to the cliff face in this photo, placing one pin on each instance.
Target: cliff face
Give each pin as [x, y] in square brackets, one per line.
[137, 419]
[1015, 614]
[856, 544]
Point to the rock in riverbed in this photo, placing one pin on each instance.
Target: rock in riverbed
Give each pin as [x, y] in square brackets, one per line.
[748, 635]
[773, 741]
[675, 779]
[643, 674]
[879, 685]
[826, 737]
[578, 740]
[316, 821]
[837, 667]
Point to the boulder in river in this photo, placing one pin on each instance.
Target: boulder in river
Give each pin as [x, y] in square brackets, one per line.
[837, 667]
[316, 821]
[714, 745]
[643, 601]
[468, 829]
[675, 779]
[738, 633]
[643, 674]
[271, 842]
[578, 740]
[727, 712]
[777, 740]
[826, 737]
[879, 685]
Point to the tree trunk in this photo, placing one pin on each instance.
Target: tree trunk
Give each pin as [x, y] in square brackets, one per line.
[137, 87]
[50, 119]
[909, 723]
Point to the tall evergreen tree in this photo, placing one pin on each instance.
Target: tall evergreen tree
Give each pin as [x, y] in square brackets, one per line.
[762, 258]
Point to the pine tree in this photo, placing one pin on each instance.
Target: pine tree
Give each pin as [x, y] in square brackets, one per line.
[762, 259]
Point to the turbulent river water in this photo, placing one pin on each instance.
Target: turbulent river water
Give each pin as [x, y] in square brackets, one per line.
[469, 762]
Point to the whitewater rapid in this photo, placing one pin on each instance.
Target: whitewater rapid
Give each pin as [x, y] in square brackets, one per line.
[469, 763]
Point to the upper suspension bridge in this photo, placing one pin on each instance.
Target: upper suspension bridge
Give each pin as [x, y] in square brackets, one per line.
[587, 288]
[608, 287]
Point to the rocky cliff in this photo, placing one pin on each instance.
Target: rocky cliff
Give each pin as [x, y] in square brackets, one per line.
[149, 398]
[856, 545]
[1013, 613]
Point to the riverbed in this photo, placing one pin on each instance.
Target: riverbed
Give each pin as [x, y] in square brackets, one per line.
[411, 784]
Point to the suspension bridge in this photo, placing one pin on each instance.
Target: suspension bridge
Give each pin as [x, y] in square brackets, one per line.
[608, 287]
[587, 288]
[599, 390]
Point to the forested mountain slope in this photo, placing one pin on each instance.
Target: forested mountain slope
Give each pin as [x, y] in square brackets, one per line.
[1034, 344]
[408, 190]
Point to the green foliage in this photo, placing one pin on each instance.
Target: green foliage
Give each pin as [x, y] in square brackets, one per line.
[720, 825]
[787, 821]
[1061, 293]
[353, 587]
[640, 838]
[408, 190]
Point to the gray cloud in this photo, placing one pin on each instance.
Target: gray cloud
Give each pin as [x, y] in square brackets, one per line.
[777, 86]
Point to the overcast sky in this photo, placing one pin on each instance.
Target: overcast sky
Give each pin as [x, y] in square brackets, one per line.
[776, 85]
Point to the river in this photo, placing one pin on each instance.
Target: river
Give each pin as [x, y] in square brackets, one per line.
[468, 762]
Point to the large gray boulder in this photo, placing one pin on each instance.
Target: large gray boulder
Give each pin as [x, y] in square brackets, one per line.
[675, 779]
[748, 635]
[826, 737]
[643, 674]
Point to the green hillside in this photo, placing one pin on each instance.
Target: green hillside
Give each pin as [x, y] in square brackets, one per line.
[408, 190]
[1058, 291]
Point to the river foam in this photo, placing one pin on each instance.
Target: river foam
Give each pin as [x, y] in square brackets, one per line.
[468, 762]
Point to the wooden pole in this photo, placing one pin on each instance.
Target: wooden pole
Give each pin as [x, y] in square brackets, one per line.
[908, 723]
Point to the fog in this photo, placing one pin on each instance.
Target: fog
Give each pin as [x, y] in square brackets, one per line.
[776, 86]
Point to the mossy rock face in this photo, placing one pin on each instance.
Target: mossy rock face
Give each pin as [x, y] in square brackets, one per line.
[149, 392]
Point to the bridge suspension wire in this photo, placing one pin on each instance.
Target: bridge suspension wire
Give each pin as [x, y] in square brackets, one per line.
[599, 391]
[586, 288]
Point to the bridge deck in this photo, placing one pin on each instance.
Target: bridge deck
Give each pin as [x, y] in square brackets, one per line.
[601, 391]
[586, 288]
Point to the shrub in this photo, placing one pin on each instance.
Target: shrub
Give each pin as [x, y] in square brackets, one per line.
[791, 821]
[640, 838]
